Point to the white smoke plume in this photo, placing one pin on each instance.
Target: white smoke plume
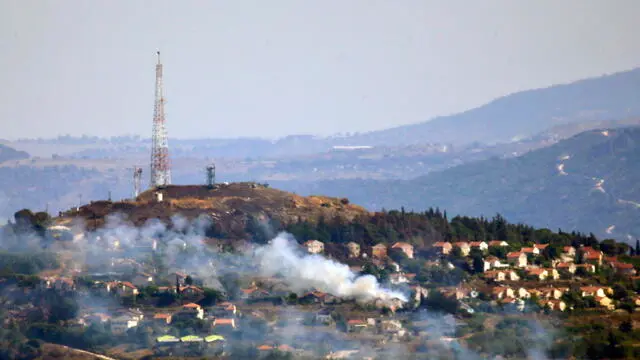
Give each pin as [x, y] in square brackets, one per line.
[302, 272]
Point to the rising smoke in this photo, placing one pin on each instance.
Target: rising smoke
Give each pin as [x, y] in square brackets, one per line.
[182, 246]
[303, 272]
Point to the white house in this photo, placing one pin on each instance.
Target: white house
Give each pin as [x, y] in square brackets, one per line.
[314, 246]
[481, 245]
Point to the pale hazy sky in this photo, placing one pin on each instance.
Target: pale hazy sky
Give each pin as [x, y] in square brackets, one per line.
[272, 68]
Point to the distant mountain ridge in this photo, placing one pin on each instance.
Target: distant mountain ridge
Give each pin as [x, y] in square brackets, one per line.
[588, 183]
[525, 113]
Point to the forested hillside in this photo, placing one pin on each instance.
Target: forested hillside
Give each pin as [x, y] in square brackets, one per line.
[590, 182]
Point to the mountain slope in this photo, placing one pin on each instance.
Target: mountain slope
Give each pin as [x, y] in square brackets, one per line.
[589, 183]
[524, 113]
[8, 154]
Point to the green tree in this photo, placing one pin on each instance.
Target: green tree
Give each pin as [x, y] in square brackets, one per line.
[478, 264]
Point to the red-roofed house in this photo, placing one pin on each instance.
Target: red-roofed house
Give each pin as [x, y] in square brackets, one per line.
[501, 292]
[538, 273]
[406, 248]
[492, 262]
[595, 291]
[570, 267]
[587, 267]
[464, 247]
[356, 325]
[540, 246]
[481, 245]
[517, 259]
[554, 293]
[623, 268]
[194, 310]
[569, 251]
[253, 293]
[591, 255]
[498, 243]
[222, 324]
[191, 290]
[225, 309]
[443, 248]
[495, 275]
[553, 304]
[124, 288]
[286, 348]
[162, 319]
[530, 250]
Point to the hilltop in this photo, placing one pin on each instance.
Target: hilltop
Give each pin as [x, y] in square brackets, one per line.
[229, 205]
[586, 183]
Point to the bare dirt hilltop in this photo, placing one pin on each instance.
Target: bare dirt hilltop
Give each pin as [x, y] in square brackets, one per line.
[229, 205]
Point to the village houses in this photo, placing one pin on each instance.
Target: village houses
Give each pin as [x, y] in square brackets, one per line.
[314, 246]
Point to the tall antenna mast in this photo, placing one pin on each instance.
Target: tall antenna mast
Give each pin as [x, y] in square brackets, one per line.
[137, 180]
[211, 175]
[160, 169]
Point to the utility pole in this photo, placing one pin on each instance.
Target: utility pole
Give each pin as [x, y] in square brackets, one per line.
[137, 180]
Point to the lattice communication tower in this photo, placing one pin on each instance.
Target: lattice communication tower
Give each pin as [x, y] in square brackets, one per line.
[211, 175]
[160, 167]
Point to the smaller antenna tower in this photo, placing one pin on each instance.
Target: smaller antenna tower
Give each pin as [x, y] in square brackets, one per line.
[211, 175]
[137, 181]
